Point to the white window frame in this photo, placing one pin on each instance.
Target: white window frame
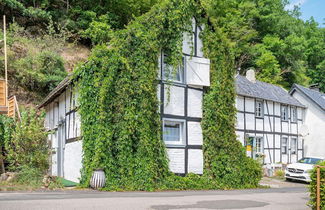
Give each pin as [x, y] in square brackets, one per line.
[284, 112]
[259, 113]
[261, 146]
[294, 114]
[182, 123]
[284, 151]
[293, 149]
[180, 69]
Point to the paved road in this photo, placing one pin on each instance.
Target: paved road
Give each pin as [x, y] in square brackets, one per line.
[281, 198]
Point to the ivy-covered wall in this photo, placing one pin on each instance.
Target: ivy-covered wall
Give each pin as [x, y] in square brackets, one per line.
[121, 125]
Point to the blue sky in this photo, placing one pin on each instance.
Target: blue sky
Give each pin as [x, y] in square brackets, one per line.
[308, 8]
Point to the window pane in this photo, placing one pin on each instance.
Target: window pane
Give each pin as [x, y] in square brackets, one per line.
[172, 131]
[259, 145]
[259, 108]
[293, 145]
[294, 114]
[284, 145]
[174, 75]
[284, 112]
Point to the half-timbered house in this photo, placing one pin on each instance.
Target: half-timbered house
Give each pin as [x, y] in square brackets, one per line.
[180, 92]
[268, 121]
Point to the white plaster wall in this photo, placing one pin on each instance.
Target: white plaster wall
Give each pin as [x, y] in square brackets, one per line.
[62, 106]
[268, 154]
[294, 128]
[240, 137]
[314, 143]
[240, 103]
[277, 156]
[277, 141]
[268, 123]
[175, 104]
[268, 108]
[73, 161]
[259, 124]
[240, 121]
[54, 164]
[194, 103]
[195, 136]
[250, 121]
[268, 141]
[195, 161]
[277, 111]
[277, 124]
[250, 105]
[285, 127]
[176, 160]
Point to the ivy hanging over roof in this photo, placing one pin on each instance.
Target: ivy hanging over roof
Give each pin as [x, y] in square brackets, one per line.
[120, 119]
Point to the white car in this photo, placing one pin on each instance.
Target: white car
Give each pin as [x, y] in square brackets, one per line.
[301, 169]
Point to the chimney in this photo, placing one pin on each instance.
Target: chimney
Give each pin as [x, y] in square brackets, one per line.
[250, 75]
[314, 87]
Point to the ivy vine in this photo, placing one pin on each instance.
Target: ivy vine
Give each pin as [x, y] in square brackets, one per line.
[120, 119]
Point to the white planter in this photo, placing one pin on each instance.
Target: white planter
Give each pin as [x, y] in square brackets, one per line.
[98, 179]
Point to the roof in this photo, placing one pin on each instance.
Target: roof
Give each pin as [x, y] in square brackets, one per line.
[317, 97]
[56, 91]
[265, 91]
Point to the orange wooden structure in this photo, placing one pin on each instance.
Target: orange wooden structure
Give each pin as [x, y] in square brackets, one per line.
[3, 99]
[8, 106]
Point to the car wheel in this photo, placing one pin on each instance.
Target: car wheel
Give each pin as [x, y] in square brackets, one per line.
[288, 179]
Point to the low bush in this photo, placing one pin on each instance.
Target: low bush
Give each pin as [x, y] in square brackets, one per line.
[26, 142]
[313, 187]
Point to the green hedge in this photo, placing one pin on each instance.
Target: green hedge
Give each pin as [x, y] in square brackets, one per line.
[312, 187]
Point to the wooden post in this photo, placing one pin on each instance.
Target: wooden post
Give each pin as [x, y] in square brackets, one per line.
[318, 188]
[6, 61]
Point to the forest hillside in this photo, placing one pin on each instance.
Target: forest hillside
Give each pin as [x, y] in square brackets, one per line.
[48, 38]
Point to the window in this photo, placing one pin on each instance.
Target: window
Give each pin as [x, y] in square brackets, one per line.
[173, 75]
[293, 146]
[259, 109]
[284, 112]
[294, 114]
[284, 147]
[259, 144]
[173, 132]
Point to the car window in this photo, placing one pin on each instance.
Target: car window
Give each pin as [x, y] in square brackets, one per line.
[309, 160]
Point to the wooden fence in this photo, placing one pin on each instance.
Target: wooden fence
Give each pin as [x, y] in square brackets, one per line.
[318, 185]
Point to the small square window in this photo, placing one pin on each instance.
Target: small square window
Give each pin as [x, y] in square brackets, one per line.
[170, 74]
[293, 146]
[173, 132]
[284, 146]
[294, 114]
[259, 108]
[284, 113]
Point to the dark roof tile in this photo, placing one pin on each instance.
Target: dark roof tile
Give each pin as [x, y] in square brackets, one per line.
[264, 91]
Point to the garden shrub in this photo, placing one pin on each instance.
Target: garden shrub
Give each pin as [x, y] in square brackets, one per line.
[26, 142]
[313, 187]
[120, 121]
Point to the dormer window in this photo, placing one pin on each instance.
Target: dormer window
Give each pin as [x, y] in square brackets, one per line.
[259, 108]
[171, 74]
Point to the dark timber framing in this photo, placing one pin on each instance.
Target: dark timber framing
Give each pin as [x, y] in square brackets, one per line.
[270, 130]
[185, 118]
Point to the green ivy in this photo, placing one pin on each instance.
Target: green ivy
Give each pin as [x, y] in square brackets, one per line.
[120, 120]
